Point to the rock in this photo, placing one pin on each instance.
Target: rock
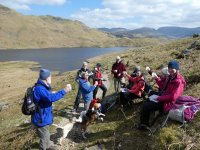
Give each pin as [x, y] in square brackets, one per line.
[95, 147]
[3, 107]
[195, 45]
[27, 121]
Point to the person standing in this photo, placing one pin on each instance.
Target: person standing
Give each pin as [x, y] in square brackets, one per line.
[43, 98]
[86, 89]
[84, 69]
[99, 78]
[117, 70]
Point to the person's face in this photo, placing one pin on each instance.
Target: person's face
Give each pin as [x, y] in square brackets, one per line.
[85, 66]
[49, 80]
[86, 77]
[171, 71]
[117, 60]
[138, 73]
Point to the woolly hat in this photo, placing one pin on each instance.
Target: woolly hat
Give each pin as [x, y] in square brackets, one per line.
[173, 64]
[44, 74]
[137, 68]
[85, 63]
[98, 65]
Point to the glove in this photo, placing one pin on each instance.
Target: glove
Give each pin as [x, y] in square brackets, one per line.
[153, 97]
[154, 75]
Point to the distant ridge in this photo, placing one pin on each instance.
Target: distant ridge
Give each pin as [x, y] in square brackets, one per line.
[169, 32]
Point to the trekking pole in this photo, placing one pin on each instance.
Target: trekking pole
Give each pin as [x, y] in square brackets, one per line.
[123, 113]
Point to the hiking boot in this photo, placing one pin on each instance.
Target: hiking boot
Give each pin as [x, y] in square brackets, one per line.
[79, 120]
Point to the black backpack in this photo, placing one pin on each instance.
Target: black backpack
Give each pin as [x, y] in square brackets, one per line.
[28, 106]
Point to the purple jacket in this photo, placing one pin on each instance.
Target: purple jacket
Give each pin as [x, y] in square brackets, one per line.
[174, 89]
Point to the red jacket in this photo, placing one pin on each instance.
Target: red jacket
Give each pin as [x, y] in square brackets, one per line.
[174, 89]
[98, 77]
[120, 67]
[138, 86]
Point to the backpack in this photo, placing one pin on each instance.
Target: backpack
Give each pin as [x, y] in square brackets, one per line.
[28, 106]
[177, 114]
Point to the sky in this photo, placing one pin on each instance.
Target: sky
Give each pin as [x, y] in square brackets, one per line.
[129, 14]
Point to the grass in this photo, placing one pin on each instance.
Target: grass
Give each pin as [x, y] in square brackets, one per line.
[116, 132]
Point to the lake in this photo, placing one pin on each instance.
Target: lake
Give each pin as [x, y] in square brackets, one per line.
[57, 59]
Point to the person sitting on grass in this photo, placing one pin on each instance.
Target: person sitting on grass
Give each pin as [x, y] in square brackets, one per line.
[172, 88]
[135, 91]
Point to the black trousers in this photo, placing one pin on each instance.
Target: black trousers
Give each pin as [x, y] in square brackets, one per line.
[125, 97]
[147, 108]
[103, 88]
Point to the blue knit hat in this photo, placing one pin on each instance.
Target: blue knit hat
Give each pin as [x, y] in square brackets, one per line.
[173, 64]
[44, 74]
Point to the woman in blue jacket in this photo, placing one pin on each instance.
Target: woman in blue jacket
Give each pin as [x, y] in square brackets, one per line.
[86, 89]
[43, 98]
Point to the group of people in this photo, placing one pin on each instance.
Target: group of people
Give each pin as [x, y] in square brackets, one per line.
[89, 92]
[171, 86]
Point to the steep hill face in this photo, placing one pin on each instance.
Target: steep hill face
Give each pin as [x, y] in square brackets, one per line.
[19, 31]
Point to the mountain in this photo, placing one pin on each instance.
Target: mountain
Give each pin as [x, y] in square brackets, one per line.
[20, 31]
[113, 30]
[169, 32]
[178, 32]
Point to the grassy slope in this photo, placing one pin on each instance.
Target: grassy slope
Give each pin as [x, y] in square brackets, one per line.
[20, 31]
[115, 131]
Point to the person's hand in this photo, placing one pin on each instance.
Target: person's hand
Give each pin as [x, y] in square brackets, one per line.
[125, 73]
[119, 74]
[154, 75]
[68, 88]
[115, 71]
[54, 92]
[95, 83]
[148, 68]
[153, 97]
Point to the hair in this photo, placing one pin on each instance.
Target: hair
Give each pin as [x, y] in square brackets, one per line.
[83, 75]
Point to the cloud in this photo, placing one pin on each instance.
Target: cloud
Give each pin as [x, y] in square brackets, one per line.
[24, 4]
[140, 13]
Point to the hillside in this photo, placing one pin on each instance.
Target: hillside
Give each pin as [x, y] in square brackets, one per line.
[18, 31]
[118, 131]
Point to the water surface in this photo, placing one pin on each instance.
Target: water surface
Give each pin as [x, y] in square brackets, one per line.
[57, 59]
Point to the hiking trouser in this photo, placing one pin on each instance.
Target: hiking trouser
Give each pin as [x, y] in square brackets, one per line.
[44, 135]
[125, 97]
[87, 105]
[103, 88]
[118, 82]
[147, 108]
[77, 101]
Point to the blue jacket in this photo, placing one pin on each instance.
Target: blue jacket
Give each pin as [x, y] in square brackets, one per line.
[44, 98]
[86, 90]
